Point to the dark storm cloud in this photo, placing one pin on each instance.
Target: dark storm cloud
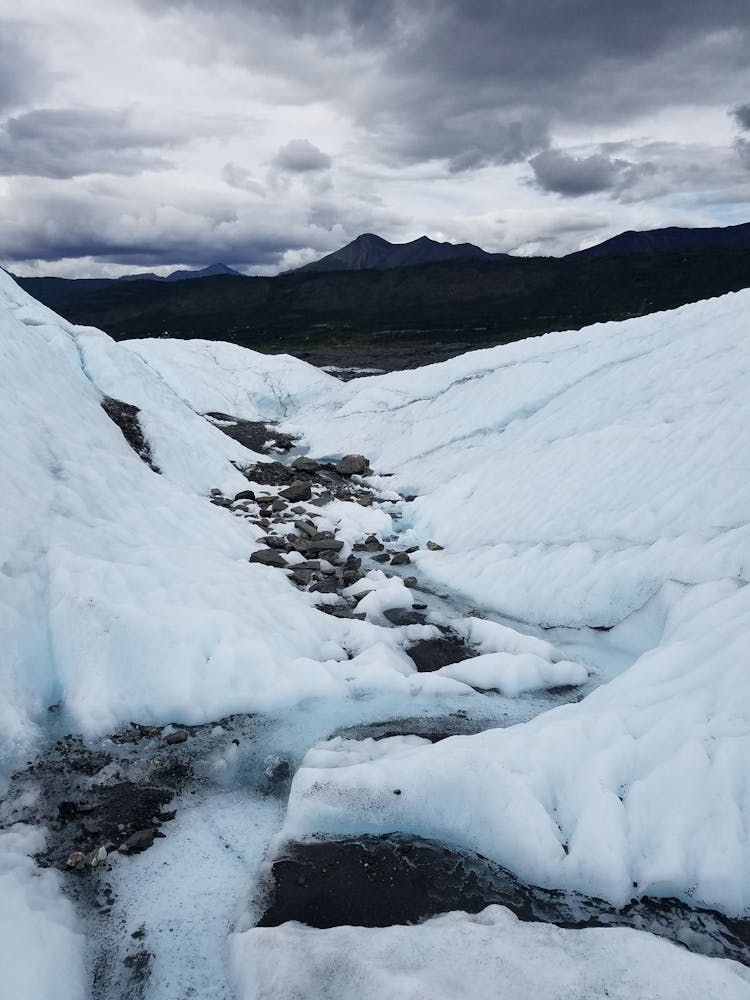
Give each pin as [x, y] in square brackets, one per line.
[574, 176]
[64, 143]
[363, 21]
[484, 81]
[741, 115]
[49, 222]
[299, 156]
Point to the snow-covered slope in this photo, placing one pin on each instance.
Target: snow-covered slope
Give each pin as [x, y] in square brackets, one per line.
[574, 479]
[570, 476]
[124, 594]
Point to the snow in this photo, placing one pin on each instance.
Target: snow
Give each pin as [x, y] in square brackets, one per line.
[568, 476]
[41, 944]
[575, 479]
[485, 956]
[578, 482]
[214, 377]
[639, 789]
[124, 594]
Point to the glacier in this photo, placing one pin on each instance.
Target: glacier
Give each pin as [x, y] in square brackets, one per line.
[589, 493]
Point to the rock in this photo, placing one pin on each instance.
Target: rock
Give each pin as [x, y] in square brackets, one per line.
[401, 616]
[178, 736]
[381, 557]
[299, 490]
[301, 577]
[410, 581]
[434, 547]
[336, 610]
[278, 505]
[330, 555]
[325, 585]
[275, 542]
[244, 495]
[400, 559]
[365, 501]
[352, 562]
[215, 492]
[318, 545]
[432, 654]
[362, 595]
[352, 465]
[351, 576]
[305, 464]
[76, 860]
[97, 855]
[268, 557]
[221, 502]
[306, 527]
[411, 550]
[139, 841]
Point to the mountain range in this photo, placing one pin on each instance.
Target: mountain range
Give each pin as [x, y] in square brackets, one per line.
[212, 271]
[369, 251]
[415, 296]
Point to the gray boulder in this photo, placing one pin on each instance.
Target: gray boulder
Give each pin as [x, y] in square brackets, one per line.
[352, 465]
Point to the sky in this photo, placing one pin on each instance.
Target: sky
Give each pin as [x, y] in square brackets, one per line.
[154, 134]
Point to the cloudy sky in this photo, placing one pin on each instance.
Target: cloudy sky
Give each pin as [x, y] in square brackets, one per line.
[263, 133]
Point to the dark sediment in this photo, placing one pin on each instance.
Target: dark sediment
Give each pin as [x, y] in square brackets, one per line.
[125, 415]
[253, 434]
[371, 881]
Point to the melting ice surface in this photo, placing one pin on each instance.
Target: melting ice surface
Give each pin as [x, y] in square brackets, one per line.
[577, 482]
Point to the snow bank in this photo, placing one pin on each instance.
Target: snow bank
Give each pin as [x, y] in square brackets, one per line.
[486, 956]
[640, 789]
[124, 594]
[41, 945]
[216, 377]
[568, 476]
[573, 479]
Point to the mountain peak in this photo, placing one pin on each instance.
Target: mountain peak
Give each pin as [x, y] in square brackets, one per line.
[371, 252]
